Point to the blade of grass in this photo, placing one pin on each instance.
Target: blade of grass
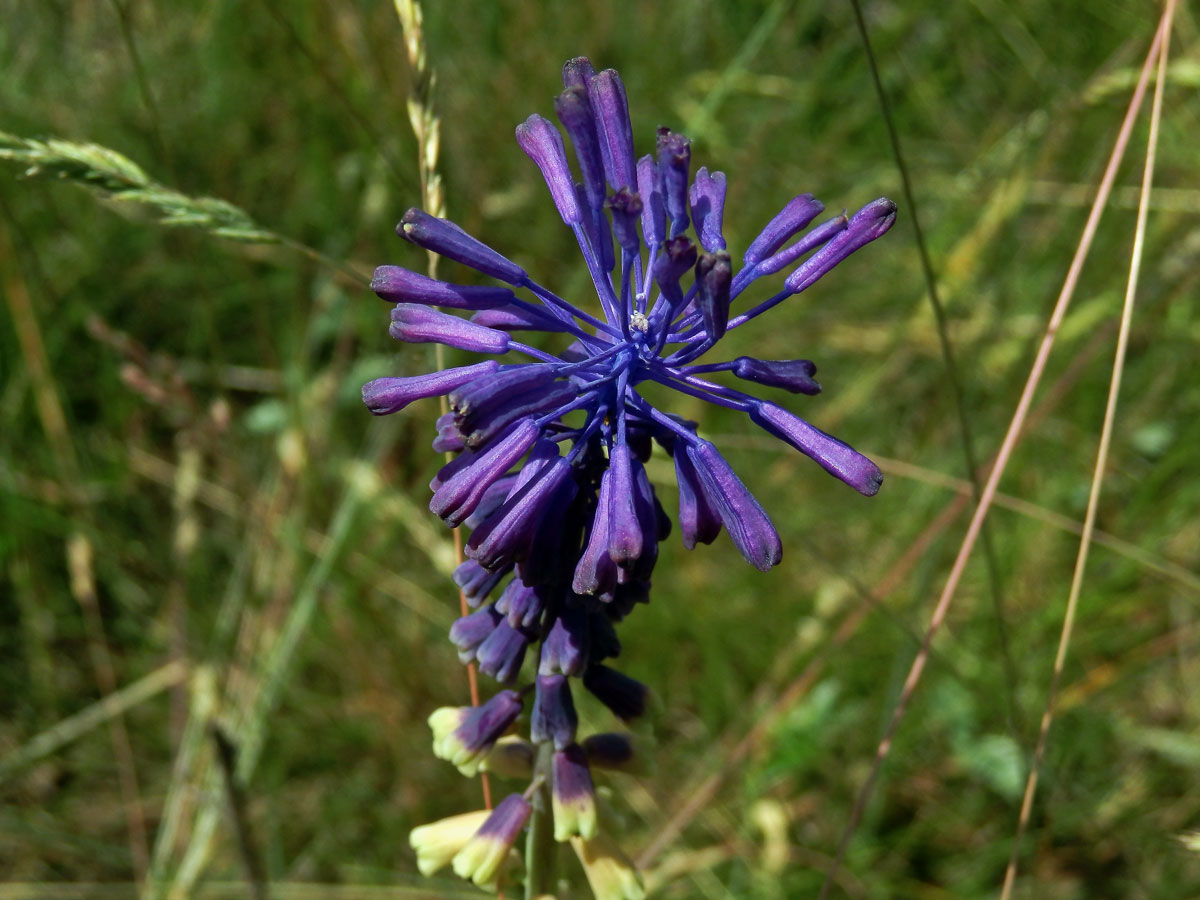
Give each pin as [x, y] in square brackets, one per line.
[1011, 437]
[1102, 449]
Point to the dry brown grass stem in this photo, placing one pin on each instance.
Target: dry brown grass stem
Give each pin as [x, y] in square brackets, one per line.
[1162, 46]
[1011, 437]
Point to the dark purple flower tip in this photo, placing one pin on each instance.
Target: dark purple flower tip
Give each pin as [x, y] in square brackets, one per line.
[624, 528]
[399, 285]
[446, 239]
[502, 652]
[625, 206]
[565, 648]
[574, 110]
[596, 573]
[714, 275]
[611, 111]
[483, 855]
[464, 734]
[743, 516]
[573, 798]
[707, 202]
[795, 375]
[603, 642]
[521, 604]
[475, 581]
[516, 318]
[388, 395]
[543, 144]
[624, 696]
[669, 267]
[417, 324]
[610, 750]
[654, 210]
[504, 538]
[699, 521]
[674, 152]
[460, 494]
[469, 631]
[553, 717]
[797, 214]
[838, 459]
[871, 222]
[577, 72]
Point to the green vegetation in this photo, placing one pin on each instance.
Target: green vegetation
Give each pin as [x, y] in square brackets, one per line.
[202, 528]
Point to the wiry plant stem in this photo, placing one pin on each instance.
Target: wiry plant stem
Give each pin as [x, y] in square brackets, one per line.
[1110, 411]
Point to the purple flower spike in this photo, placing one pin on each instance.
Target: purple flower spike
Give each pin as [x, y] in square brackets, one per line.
[624, 528]
[543, 144]
[502, 652]
[795, 375]
[575, 112]
[553, 717]
[674, 153]
[469, 631]
[796, 215]
[747, 522]
[573, 798]
[565, 648]
[480, 860]
[420, 325]
[611, 111]
[624, 696]
[714, 275]
[384, 396]
[399, 285]
[654, 210]
[707, 202]
[458, 497]
[871, 222]
[447, 239]
[839, 460]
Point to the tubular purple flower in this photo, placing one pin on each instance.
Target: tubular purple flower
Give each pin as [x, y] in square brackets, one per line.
[838, 459]
[596, 573]
[624, 696]
[504, 537]
[553, 717]
[798, 212]
[795, 375]
[521, 604]
[416, 324]
[573, 798]
[399, 285]
[565, 648]
[698, 520]
[475, 581]
[812, 239]
[611, 111]
[575, 112]
[482, 424]
[611, 750]
[871, 222]
[624, 529]
[674, 153]
[502, 652]
[743, 516]
[707, 201]
[543, 144]
[714, 275]
[471, 630]
[446, 239]
[669, 267]
[625, 206]
[516, 318]
[654, 210]
[384, 396]
[458, 497]
[463, 735]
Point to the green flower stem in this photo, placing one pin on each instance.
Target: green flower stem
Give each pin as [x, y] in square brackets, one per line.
[539, 843]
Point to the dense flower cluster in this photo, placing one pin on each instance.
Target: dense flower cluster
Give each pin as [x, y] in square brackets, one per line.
[550, 470]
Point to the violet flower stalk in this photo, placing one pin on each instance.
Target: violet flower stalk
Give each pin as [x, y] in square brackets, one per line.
[551, 477]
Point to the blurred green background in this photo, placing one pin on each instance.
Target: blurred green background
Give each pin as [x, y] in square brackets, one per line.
[201, 525]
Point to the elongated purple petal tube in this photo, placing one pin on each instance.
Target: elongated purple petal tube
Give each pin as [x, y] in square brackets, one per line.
[417, 324]
[399, 285]
[384, 396]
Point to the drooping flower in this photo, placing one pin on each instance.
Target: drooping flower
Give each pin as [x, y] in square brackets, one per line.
[463, 735]
[438, 842]
[481, 857]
